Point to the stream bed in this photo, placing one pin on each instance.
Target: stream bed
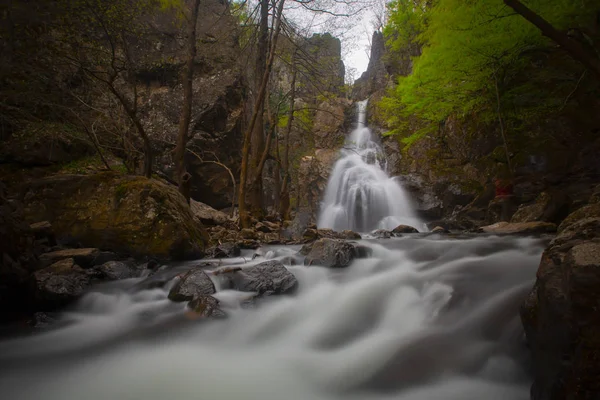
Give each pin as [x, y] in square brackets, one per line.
[425, 317]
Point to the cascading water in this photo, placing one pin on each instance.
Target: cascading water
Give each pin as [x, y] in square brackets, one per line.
[360, 195]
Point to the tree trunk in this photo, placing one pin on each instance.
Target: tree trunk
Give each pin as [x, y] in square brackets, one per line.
[284, 200]
[244, 217]
[574, 48]
[258, 139]
[182, 177]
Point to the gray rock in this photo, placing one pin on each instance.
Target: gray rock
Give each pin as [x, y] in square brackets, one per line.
[208, 215]
[194, 283]
[59, 284]
[404, 229]
[382, 234]
[439, 229]
[331, 253]
[267, 278]
[115, 270]
[350, 235]
[205, 307]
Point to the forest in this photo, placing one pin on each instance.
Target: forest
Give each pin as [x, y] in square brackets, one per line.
[202, 198]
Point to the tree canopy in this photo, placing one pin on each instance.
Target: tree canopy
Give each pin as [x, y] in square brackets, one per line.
[470, 50]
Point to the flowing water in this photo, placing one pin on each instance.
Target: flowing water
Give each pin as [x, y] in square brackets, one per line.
[360, 195]
[423, 318]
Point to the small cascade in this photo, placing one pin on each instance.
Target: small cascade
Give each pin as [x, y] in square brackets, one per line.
[360, 195]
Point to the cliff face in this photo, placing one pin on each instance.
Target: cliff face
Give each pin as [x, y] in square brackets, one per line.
[321, 119]
[219, 97]
[376, 77]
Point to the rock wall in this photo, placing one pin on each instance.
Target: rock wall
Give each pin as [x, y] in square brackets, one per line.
[219, 100]
[560, 314]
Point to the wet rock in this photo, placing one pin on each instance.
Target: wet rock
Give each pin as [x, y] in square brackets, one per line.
[204, 307]
[224, 250]
[522, 228]
[208, 215]
[404, 229]
[59, 284]
[267, 278]
[382, 234]
[310, 234]
[350, 235]
[83, 257]
[440, 229]
[126, 214]
[328, 233]
[115, 270]
[192, 284]
[42, 320]
[560, 315]
[330, 253]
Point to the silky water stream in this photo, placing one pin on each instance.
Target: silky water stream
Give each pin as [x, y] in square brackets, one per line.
[425, 317]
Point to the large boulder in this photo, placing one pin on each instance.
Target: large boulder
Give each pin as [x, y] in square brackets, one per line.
[560, 316]
[331, 253]
[129, 214]
[267, 278]
[193, 284]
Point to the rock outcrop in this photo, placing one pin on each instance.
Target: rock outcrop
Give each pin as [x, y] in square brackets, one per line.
[128, 214]
[560, 315]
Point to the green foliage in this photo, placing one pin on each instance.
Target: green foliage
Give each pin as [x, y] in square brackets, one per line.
[470, 50]
[407, 20]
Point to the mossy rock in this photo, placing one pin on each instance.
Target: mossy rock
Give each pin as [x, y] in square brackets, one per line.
[589, 211]
[110, 211]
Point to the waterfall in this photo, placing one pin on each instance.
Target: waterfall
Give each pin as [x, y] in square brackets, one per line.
[360, 195]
